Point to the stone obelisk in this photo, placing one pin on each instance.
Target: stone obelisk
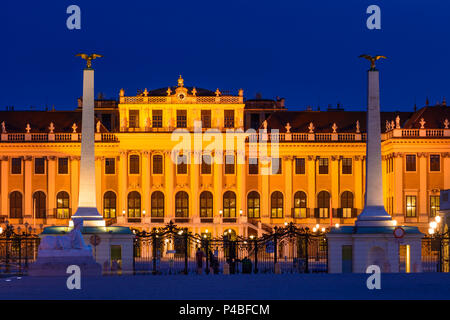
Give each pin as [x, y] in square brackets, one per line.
[374, 213]
[87, 205]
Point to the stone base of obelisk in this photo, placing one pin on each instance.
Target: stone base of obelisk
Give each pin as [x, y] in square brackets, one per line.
[56, 266]
[114, 246]
[354, 248]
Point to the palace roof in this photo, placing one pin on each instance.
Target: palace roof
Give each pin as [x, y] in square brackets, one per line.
[39, 121]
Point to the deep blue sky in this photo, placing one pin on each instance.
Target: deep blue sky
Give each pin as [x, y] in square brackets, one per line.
[305, 51]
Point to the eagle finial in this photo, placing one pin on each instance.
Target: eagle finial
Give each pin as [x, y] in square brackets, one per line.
[372, 60]
[89, 58]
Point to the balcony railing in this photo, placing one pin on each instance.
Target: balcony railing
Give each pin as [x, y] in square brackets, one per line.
[54, 137]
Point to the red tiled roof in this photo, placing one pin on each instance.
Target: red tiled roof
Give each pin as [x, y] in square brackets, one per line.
[16, 121]
[323, 120]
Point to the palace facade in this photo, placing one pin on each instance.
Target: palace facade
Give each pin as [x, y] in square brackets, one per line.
[318, 177]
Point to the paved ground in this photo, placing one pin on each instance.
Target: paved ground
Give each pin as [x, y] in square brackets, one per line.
[239, 287]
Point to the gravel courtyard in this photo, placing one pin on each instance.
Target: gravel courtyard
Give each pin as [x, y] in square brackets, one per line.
[234, 287]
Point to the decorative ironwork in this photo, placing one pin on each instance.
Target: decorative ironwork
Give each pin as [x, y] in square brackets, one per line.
[18, 248]
[172, 250]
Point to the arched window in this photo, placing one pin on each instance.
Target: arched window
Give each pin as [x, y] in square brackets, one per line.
[157, 204]
[15, 205]
[62, 205]
[253, 205]
[347, 204]
[182, 204]
[276, 204]
[40, 206]
[206, 204]
[109, 205]
[300, 204]
[229, 204]
[134, 205]
[323, 204]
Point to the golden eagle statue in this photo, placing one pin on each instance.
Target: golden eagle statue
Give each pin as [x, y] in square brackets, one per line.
[372, 59]
[89, 58]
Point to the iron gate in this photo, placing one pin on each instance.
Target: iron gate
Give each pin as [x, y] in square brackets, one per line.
[173, 250]
[17, 251]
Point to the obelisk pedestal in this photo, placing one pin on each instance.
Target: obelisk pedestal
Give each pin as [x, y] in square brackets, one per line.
[374, 239]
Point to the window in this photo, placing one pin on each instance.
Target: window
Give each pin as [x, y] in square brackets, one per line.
[110, 166]
[253, 166]
[276, 166]
[206, 118]
[62, 205]
[229, 204]
[39, 204]
[157, 204]
[323, 165]
[435, 162]
[109, 205]
[134, 118]
[15, 205]
[323, 204]
[182, 164]
[229, 164]
[39, 165]
[299, 165]
[434, 205]
[182, 204]
[228, 119]
[300, 204]
[63, 165]
[157, 119]
[134, 164]
[16, 165]
[158, 164]
[411, 206]
[410, 162]
[206, 204]
[206, 164]
[347, 204]
[181, 118]
[134, 205]
[276, 204]
[347, 166]
[253, 205]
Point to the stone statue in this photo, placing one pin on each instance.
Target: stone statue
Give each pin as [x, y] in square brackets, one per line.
[98, 126]
[422, 123]
[397, 122]
[334, 127]
[357, 126]
[265, 124]
[446, 123]
[388, 125]
[74, 128]
[51, 127]
[372, 60]
[55, 245]
[311, 127]
[28, 128]
[3, 127]
[89, 58]
[288, 128]
[218, 93]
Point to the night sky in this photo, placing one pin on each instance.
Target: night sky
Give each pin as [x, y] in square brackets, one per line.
[305, 51]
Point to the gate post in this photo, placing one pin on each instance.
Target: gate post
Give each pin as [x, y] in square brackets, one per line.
[207, 256]
[185, 252]
[306, 253]
[275, 250]
[256, 255]
[154, 251]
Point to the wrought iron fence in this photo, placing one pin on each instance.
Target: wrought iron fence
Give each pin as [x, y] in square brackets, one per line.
[435, 253]
[173, 250]
[17, 250]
